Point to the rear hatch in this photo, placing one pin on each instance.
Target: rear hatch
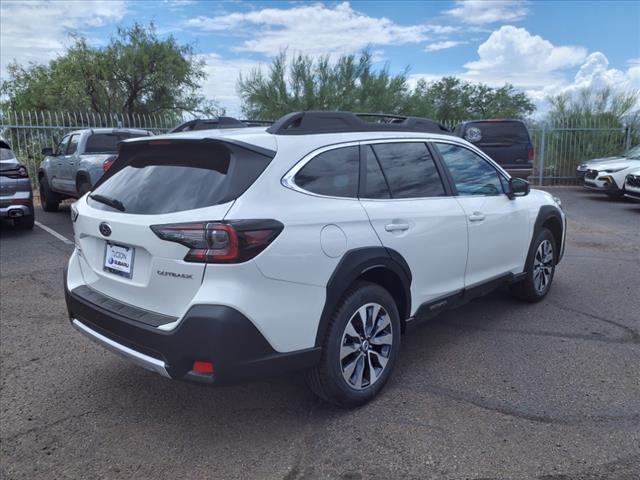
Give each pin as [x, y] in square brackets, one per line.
[507, 142]
[153, 184]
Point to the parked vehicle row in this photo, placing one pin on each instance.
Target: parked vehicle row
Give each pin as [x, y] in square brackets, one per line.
[614, 176]
[225, 255]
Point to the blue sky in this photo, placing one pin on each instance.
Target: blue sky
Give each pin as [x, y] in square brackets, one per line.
[542, 47]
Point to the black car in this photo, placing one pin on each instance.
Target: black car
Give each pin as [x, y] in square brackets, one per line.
[505, 141]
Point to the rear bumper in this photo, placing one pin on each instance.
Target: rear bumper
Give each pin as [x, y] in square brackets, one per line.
[16, 211]
[214, 333]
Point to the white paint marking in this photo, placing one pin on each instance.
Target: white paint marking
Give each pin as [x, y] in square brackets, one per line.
[62, 238]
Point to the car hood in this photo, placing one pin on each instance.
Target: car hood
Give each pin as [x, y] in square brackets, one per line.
[619, 163]
[10, 164]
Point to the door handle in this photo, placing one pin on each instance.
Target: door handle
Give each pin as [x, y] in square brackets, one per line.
[476, 217]
[396, 227]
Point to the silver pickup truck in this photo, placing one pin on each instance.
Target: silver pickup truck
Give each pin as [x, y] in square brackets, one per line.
[78, 162]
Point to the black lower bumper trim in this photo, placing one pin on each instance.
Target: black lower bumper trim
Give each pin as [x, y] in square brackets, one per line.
[214, 333]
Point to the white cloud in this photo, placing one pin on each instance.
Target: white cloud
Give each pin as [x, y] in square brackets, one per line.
[488, 11]
[434, 47]
[314, 29]
[222, 77]
[593, 73]
[38, 31]
[513, 55]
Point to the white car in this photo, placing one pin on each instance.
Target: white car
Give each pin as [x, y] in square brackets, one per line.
[217, 256]
[581, 170]
[632, 185]
[609, 177]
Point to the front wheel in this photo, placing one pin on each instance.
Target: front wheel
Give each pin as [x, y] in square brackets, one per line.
[360, 348]
[539, 269]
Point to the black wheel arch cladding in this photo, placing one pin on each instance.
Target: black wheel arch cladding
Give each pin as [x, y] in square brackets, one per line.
[377, 264]
[549, 217]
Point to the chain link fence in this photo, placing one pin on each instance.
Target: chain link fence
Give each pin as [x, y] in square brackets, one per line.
[560, 146]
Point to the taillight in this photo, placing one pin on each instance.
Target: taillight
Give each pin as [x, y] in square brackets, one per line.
[19, 172]
[106, 165]
[530, 155]
[234, 241]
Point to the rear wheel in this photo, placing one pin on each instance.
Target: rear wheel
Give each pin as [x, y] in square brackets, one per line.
[539, 270]
[360, 347]
[83, 186]
[49, 199]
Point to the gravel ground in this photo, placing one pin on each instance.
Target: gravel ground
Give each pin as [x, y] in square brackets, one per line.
[495, 389]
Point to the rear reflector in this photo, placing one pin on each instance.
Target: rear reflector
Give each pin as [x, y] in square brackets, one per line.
[201, 366]
[530, 155]
[221, 242]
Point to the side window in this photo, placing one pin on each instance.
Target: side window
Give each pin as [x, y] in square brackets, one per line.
[472, 174]
[333, 173]
[375, 185]
[409, 170]
[73, 144]
[62, 146]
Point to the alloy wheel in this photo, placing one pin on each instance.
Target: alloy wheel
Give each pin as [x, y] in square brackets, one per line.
[543, 266]
[366, 346]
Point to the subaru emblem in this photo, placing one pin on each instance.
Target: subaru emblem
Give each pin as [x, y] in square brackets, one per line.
[105, 229]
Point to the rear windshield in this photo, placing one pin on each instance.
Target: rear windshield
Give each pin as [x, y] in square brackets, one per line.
[496, 133]
[108, 142]
[163, 178]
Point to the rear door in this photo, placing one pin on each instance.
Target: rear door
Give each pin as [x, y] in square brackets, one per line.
[499, 227]
[413, 213]
[67, 165]
[158, 184]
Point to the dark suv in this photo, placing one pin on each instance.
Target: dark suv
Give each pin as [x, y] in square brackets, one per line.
[505, 141]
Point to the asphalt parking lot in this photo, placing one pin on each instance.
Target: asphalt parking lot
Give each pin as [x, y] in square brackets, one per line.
[496, 389]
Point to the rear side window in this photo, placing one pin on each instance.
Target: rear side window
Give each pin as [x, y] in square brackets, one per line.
[496, 133]
[108, 142]
[154, 179]
[409, 170]
[333, 173]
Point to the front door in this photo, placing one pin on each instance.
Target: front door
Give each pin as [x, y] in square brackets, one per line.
[499, 227]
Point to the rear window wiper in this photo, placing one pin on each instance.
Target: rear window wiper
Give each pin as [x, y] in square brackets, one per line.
[111, 202]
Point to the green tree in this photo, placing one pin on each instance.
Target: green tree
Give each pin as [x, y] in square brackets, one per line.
[350, 84]
[451, 99]
[137, 72]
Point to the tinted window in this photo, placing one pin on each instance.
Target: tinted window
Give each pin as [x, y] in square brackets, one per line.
[333, 173]
[163, 179]
[73, 144]
[409, 170]
[107, 142]
[375, 184]
[471, 173]
[496, 133]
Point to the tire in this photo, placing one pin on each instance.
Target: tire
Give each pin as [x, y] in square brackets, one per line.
[82, 187]
[24, 223]
[539, 269]
[49, 199]
[356, 363]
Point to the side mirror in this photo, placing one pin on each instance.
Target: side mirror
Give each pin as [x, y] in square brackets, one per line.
[518, 187]
[47, 151]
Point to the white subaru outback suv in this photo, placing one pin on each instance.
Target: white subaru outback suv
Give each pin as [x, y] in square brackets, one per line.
[219, 256]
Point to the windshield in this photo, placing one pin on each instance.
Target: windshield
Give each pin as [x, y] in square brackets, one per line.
[108, 142]
[633, 153]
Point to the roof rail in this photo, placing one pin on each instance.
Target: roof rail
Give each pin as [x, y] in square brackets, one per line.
[303, 123]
